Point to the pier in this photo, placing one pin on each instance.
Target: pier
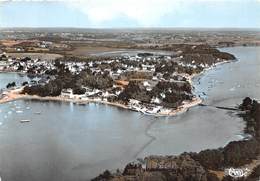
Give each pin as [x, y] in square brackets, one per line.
[220, 107]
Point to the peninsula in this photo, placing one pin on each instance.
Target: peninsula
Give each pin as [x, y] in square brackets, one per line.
[150, 83]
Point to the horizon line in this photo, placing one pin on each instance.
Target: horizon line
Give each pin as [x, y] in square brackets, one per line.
[118, 28]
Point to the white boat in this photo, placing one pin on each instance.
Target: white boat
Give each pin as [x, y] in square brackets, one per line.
[25, 121]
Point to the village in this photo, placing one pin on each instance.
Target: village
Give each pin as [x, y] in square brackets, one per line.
[145, 82]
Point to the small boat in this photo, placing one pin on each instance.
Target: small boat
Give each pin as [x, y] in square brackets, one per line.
[37, 113]
[24, 121]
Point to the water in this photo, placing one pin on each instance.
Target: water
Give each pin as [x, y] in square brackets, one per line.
[6, 78]
[70, 145]
[77, 142]
[132, 53]
[229, 83]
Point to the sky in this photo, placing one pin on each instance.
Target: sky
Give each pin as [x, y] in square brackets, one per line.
[130, 13]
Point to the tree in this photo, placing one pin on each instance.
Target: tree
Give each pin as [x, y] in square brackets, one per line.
[9, 85]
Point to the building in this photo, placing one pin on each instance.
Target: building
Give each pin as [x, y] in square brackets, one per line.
[68, 93]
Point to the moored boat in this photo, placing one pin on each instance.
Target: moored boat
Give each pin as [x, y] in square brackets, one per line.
[25, 121]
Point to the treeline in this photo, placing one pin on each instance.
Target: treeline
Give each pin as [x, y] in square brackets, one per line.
[236, 153]
[204, 49]
[251, 117]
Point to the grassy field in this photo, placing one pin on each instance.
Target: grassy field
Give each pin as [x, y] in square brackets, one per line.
[43, 56]
[89, 50]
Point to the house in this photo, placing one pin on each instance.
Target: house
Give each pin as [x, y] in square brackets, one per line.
[146, 84]
[134, 102]
[156, 100]
[68, 93]
[161, 163]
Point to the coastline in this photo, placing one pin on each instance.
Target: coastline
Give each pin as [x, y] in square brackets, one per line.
[14, 95]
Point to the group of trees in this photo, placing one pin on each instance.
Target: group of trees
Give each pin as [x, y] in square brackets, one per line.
[10, 85]
[175, 92]
[136, 75]
[171, 67]
[237, 153]
[207, 51]
[252, 117]
[64, 79]
[135, 90]
[3, 57]
[203, 49]
[95, 81]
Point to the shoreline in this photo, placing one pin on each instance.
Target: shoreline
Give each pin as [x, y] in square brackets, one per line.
[14, 95]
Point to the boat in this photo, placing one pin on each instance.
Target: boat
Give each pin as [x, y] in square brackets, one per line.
[37, 113]
[25, 121]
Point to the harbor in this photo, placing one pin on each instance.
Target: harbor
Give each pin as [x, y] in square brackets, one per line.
[123, 133]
